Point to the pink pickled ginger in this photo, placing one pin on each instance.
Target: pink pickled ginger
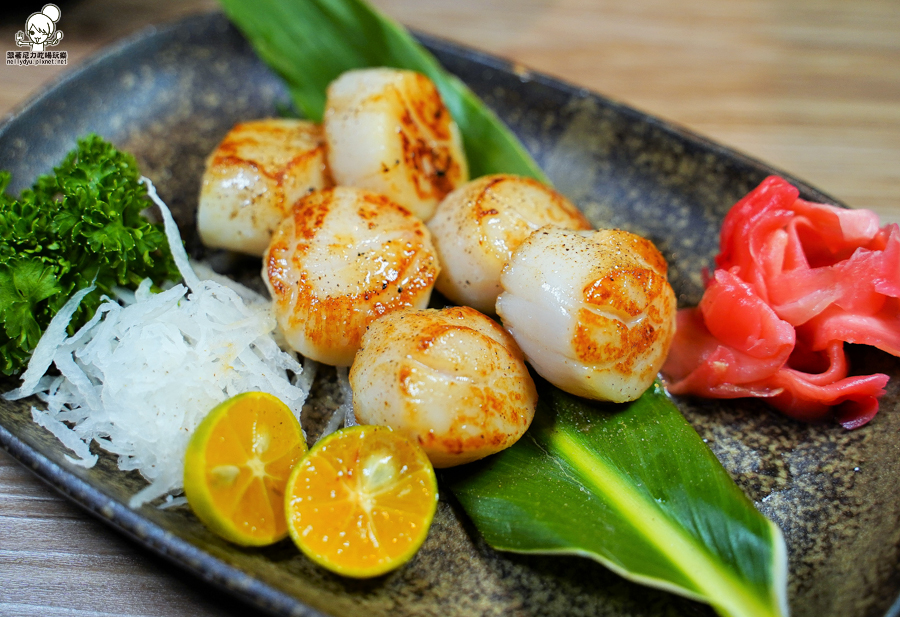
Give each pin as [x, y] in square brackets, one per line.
[795, 280]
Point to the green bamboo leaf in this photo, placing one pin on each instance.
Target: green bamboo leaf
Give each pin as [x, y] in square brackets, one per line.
[634, 487]
[310, 42]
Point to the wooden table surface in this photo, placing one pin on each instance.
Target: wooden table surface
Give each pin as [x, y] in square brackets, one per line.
[810, 86]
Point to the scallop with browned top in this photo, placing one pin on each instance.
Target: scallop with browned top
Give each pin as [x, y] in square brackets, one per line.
[451, 379]
[476, 228]
[593, 311]
[254, 177]
[388, 131]
[342, 258]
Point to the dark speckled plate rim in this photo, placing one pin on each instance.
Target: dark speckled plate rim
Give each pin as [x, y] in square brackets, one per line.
[181, 552]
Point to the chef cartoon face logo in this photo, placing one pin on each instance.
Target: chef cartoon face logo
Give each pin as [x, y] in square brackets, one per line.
[40, 29]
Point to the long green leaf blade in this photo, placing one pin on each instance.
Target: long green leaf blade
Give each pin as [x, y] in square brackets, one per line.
[634, 487]
[310, 42]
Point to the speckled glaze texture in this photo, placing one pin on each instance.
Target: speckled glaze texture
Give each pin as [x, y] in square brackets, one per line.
[170, 95]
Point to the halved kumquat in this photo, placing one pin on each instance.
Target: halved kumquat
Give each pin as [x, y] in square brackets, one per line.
[237, 464]
[361, 501]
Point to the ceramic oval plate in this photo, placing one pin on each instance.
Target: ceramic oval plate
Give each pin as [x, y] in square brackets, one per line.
[169, 96]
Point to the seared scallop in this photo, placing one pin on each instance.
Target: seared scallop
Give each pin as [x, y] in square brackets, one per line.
[388, 131]
[254, 177]
[342, 258]
[451, 379]
[476, 228]
[593, 311]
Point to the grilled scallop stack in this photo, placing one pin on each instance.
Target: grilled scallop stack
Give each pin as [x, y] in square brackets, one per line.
[351, 268]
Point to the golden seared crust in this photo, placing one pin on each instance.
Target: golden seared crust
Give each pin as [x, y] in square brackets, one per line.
[626, 289]
[258, 170]
[341, 259]
[389, 131]
[433, 165]
[273, 146]
[629, 307]
[453, 380]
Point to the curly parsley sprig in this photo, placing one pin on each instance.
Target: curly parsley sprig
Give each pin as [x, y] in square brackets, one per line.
[79, 225]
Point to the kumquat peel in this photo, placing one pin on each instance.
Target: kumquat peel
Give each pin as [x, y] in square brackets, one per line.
[237, 464]
[361, 501]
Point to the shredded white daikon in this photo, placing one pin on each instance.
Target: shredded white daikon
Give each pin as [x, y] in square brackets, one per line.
[141, 375]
